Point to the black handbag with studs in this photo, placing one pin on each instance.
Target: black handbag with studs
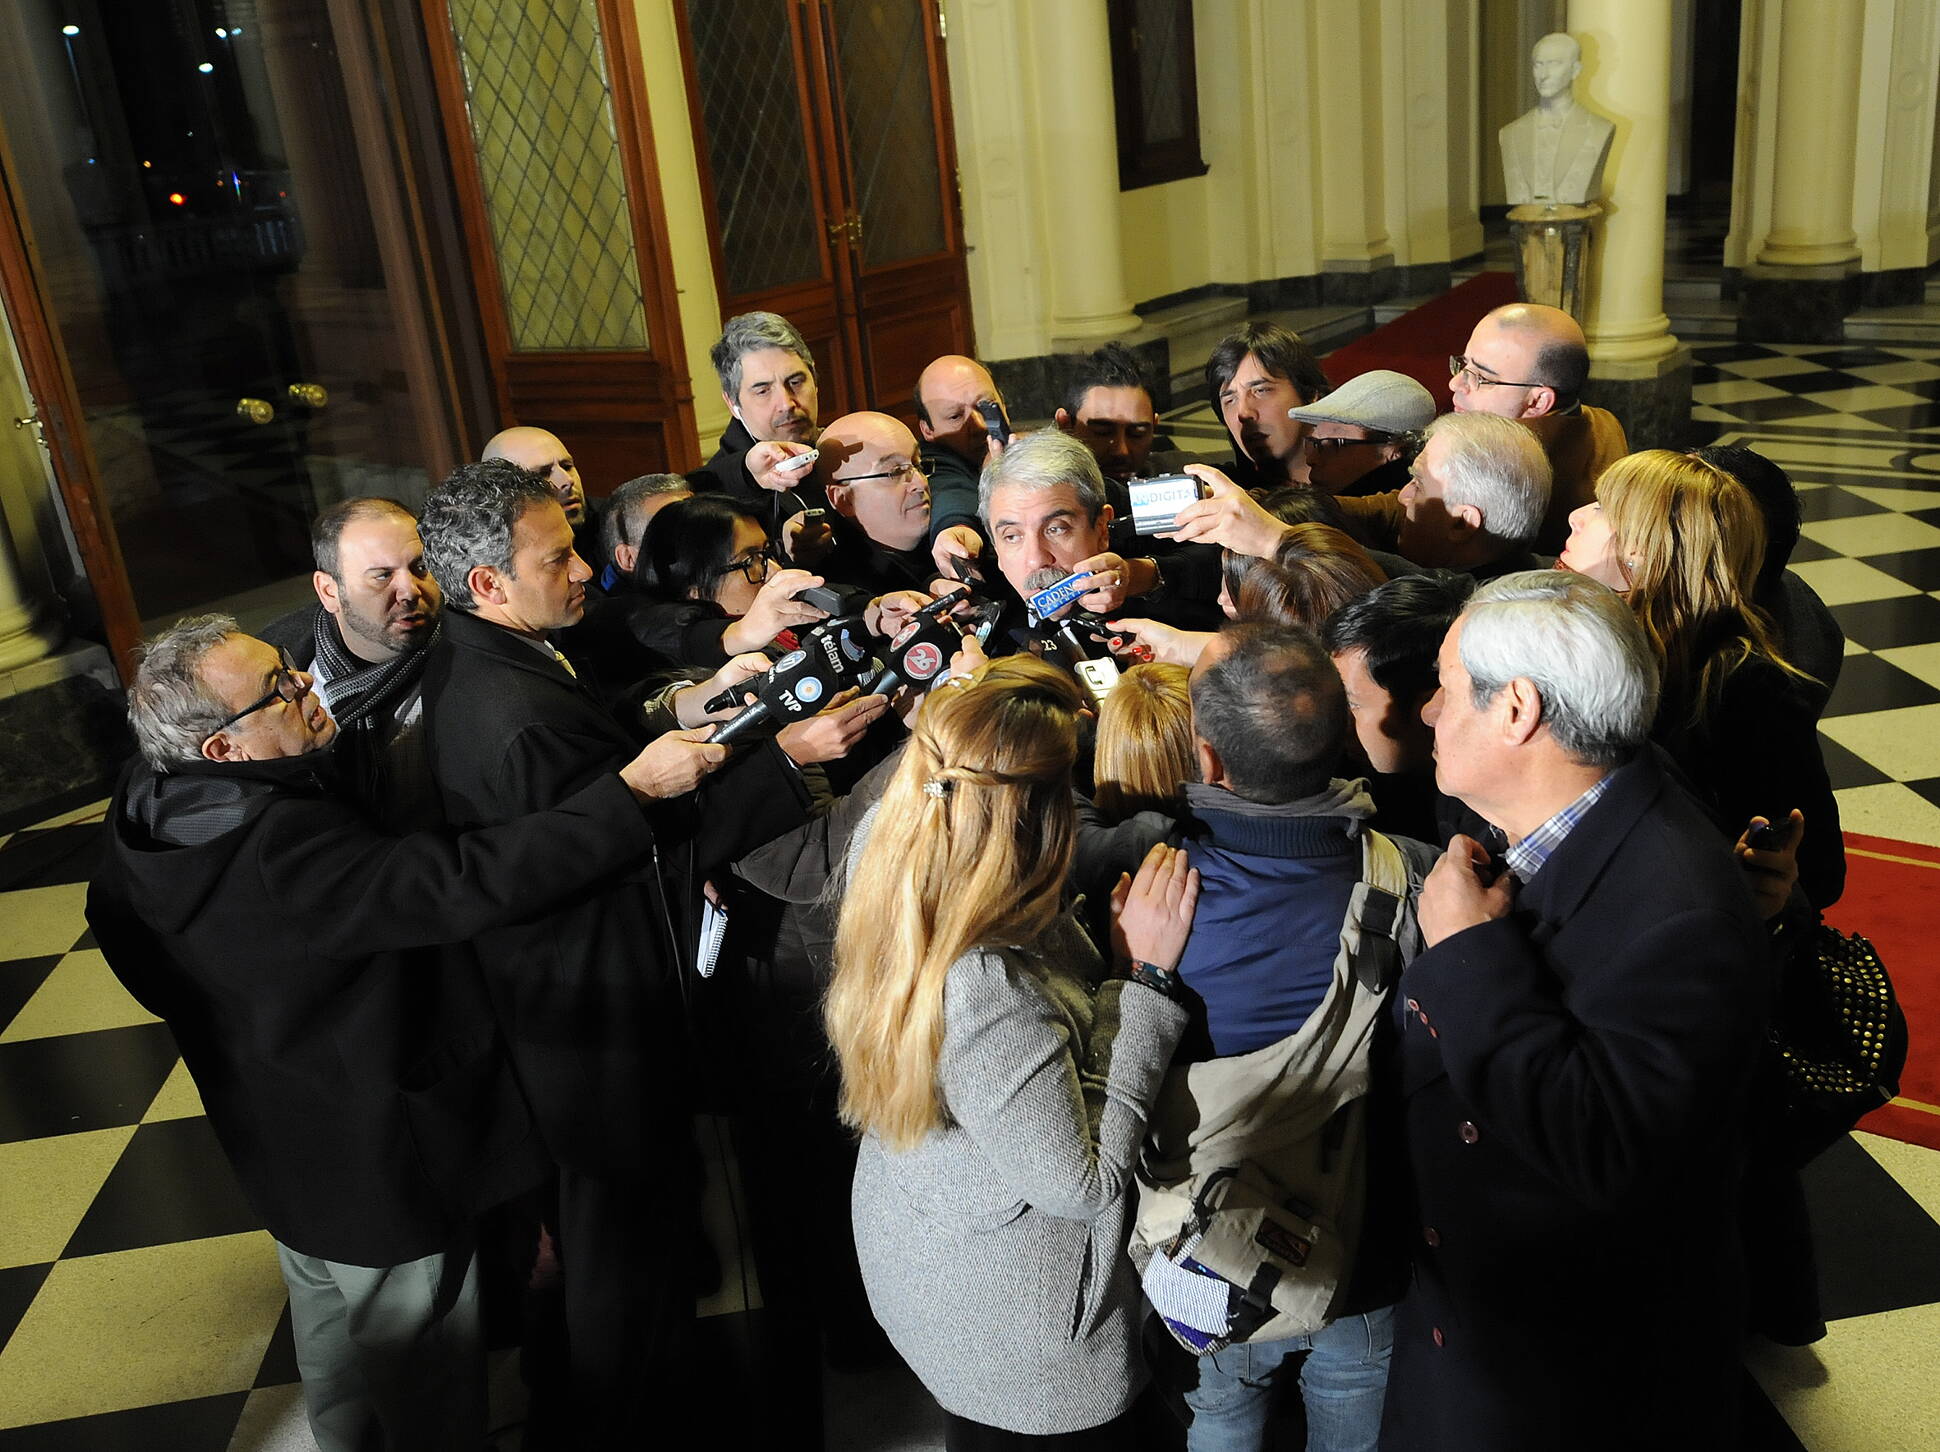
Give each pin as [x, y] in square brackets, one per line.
[1838, 1034]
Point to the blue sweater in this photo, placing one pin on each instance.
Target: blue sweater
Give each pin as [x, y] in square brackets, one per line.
[1274, 883]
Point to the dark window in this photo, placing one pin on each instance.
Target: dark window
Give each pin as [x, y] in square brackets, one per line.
[1156, 90]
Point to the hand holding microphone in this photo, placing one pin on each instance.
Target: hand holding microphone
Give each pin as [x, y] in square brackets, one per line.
[800, 684]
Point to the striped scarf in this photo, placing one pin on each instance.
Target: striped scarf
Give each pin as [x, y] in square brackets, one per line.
[362, 694]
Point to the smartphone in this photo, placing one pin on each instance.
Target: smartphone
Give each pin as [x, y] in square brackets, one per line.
[795, 463]
[993, 421]
[1156, 502]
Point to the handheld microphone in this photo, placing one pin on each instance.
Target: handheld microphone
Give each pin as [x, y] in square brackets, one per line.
[918, 657]
[798, 685]
[1090, 659]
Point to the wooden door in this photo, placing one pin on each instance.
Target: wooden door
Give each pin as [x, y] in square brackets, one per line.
[544, 110]
[905, 253]
[830, 177]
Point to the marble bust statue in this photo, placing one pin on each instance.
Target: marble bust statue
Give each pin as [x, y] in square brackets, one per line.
[1554, 153]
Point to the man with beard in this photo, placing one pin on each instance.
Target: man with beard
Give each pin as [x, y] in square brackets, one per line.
[364, 642]
[1257, 373]
[1108, 408]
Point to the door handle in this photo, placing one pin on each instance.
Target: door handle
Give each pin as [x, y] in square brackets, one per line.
[310, 395]
[256, 410]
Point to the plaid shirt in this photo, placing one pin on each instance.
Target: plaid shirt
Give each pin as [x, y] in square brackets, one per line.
[1526, 858]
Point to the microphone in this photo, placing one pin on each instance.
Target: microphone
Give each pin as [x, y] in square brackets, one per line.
[917, 657]
[798, 685]
[1095, 669]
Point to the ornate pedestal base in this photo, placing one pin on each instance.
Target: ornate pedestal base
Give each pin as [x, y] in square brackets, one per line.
[1550, 242]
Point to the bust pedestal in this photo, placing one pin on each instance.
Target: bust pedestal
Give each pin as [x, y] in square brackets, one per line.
[1550, 242]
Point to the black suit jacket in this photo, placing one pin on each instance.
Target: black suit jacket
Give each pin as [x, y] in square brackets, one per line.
[1574, 1079]
[726, 472]
[356, 1082]
[590, 994]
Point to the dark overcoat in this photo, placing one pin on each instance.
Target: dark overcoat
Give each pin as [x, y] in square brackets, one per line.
[589, 994]
[1575, 1078]
[355, 1080]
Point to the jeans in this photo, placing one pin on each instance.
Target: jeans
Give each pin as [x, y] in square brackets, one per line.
[1343, 1382]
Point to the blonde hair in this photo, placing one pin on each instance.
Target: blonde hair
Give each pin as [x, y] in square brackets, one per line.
[1690, 539]
[1144, 746]
[971, 846]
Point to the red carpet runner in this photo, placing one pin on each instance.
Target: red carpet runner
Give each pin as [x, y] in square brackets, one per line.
[1892, 892]
[1420, 341]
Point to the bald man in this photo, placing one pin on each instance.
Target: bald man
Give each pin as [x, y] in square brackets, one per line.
[1530, 362]
[954, 438]
[877, 482]
[1526, 362]
[551, 460]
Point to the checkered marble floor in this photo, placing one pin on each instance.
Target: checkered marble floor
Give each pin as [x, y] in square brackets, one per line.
[1858, 429]
[140, 1305]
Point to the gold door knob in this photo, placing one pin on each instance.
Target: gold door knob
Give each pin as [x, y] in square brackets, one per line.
[310, 395]
[256, 410]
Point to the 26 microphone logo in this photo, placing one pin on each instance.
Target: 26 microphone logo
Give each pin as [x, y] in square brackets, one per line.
[923, 661]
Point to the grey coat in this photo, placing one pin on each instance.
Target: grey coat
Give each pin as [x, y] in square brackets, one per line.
[995, 1251]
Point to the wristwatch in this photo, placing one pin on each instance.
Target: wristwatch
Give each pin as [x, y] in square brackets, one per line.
[1155, 978]
[1158, 579]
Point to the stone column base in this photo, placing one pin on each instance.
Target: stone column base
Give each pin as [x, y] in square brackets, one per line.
[1358, 281]
[1797, 304]
[1651, 400]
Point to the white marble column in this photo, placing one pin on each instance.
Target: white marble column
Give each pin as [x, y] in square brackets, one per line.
[1893, 170]
[1818, 100]
[1077, 139]
[1354, 229]
[1627, 77]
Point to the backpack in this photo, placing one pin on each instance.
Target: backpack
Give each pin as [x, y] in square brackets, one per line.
[1253, 1184]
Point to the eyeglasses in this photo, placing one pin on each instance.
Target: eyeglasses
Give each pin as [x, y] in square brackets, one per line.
[925, 467]
[286, 688]
[1374, 436]
[754, 567]
[1458, 365]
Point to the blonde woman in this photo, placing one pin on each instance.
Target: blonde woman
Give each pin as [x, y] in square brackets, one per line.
[999, 1077]
[1683, 541]
[1143, 754]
